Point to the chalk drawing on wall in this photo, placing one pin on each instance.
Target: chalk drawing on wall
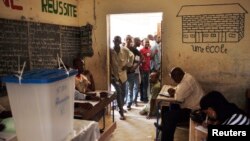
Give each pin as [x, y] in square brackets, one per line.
[213, 23]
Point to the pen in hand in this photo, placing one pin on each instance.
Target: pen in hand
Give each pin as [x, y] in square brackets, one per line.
[205, 124]
[206, 119]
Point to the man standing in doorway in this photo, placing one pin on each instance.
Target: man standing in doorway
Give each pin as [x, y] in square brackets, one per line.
[155, 62]
[133, 72]
[121, 59]
[145, 70]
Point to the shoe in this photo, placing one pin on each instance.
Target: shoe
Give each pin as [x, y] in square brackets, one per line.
[143, 112]
[2, 127]
[136, 105]
[124, 111]
[159, 127]
[122, 118]
[129, 108]
[101, 130]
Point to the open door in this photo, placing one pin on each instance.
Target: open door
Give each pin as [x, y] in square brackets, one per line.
[134, 24]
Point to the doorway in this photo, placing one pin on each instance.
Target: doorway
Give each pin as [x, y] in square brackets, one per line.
[134, 24]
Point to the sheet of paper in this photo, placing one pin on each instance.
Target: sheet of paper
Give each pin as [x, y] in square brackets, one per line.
[201, 128]
[164, 90]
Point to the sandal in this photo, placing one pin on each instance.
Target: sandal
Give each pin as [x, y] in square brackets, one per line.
[122, 118]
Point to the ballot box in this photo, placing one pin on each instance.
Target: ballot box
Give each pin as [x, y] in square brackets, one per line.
[42, 104]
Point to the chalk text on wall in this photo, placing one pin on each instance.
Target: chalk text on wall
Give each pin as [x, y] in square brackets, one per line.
[59, 7]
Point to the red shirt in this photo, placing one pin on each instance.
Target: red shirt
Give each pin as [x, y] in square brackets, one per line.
[145, 66]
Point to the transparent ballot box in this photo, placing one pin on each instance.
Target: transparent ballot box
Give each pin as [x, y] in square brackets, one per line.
[42, 104]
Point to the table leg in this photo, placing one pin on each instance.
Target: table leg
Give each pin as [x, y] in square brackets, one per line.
[113, 111]
[103, 120]
[157, 119]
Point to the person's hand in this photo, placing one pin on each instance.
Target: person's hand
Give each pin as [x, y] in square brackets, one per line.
[124, 68]
[171, 92]
[131, 69]
[206, 123]
[156, 51]
[118, 82]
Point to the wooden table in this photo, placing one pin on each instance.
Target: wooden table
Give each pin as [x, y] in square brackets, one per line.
[99, 107]
[197, 132]
[163, 100]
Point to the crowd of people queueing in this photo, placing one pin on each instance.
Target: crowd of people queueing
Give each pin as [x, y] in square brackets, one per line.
[131, 65]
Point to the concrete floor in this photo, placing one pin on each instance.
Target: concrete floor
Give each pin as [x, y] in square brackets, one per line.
[137, 128]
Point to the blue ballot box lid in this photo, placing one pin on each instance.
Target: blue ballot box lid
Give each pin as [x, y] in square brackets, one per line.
[38, 76]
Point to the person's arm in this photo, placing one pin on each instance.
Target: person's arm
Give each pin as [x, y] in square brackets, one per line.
[171, 92]
[130, 61]
[153, 52]
[130, 58]
[137, 60]
[113, 67]
[91, 86]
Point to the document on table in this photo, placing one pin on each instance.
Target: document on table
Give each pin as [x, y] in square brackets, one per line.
[201, 128]
[164, 90]
[86, 101]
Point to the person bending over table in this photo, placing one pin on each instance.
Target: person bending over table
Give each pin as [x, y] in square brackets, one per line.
[121, 58]
[221, 112]
[188, 92]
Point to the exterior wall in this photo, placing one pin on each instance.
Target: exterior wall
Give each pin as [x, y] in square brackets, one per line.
[218, 66]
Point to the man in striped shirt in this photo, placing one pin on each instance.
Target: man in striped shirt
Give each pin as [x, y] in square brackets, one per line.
[221, 112]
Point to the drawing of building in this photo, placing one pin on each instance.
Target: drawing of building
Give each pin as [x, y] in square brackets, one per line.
[212, 23]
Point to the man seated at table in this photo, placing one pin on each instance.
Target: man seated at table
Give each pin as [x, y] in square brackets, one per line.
[150, 108]
[188, 93]
[84, 79]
